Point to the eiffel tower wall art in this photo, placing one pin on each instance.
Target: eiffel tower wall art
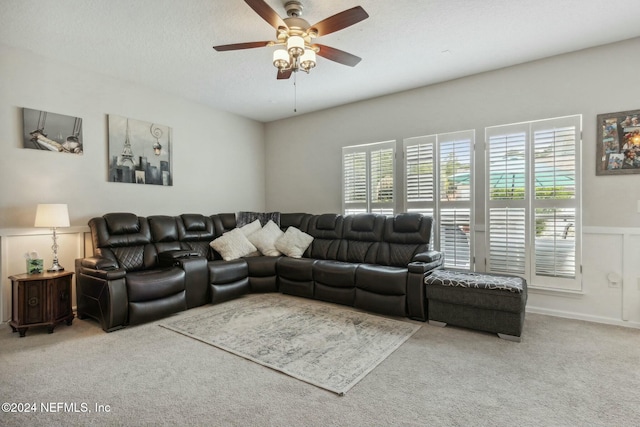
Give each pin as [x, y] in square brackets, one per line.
[139, 152]
[52, 132]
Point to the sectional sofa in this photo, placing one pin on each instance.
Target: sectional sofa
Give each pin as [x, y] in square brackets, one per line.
[145, 268]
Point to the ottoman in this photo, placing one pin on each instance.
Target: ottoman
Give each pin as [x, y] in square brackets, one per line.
[483, 301]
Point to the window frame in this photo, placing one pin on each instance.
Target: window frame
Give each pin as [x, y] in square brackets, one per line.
[436, 206]
[529, 204]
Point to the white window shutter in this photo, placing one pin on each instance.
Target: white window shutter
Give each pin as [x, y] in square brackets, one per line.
[368, 178]
[507, 240]
[419, 166]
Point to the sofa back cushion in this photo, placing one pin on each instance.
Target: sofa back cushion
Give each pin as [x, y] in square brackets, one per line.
[297, 220]
[362, 235]
[326, 230]
[195, 232]
[124, 238]
[223, 222]
[164, 233]
[405, 235]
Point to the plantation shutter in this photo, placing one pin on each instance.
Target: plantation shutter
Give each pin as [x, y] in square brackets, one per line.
[454, 237]
[354, 169]
[382, 181]
[532, 183]
[507, 240]
[454, 208]
[455, 170]
[506, 189]
[438, 179]
[368, 178]
[419, 167]
[554, 204]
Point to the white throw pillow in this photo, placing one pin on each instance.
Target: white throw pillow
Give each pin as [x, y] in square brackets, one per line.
[248, 230]
[294, 242]
[233, 245]
[265, 239]
[251, 227]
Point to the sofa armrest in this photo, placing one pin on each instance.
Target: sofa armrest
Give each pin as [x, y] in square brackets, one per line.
[102, 271]
[101, 294]
[196, 279]
[99, 263]
[423, 265]
[428, 257]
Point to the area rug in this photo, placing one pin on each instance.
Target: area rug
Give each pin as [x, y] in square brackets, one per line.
[323, 344]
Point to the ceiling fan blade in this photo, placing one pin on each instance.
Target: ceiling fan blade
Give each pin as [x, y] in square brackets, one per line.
[338, 55]
[238, 46]
[268, 14]
[340, 20]
[283, 75]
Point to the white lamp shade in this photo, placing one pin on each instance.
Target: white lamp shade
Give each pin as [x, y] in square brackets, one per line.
[52, 215]
[281, 59]
[308, 59]
[295, 45]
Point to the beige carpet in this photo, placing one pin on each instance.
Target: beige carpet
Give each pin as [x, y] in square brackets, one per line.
[326, 345]
[564, 373]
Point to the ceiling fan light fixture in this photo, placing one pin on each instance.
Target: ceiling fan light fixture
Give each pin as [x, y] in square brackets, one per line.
[281, 59]
[294, 36]
[308, 60]
[295, 46]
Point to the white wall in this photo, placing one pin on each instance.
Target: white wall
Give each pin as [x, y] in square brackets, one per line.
[304, 173]
[209, 147]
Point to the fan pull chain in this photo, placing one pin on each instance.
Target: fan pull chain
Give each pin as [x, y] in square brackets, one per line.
[295, 93]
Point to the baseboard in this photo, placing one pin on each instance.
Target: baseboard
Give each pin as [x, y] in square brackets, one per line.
[585, 317]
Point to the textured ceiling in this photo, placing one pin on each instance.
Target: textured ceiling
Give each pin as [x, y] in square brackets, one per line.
[404, 44]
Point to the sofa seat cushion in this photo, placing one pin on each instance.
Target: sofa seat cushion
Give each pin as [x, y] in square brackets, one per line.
[299, 269]
[262, 266]
[146, 311]
[384, 280]
[334, 281]
[221, 272]
[335, 273]
[150, 285]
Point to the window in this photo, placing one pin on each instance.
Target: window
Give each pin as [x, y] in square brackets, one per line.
[438, 180]
[368, 178]
[533, 198]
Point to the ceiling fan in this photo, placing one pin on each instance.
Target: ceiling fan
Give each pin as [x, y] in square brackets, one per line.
[294, 35]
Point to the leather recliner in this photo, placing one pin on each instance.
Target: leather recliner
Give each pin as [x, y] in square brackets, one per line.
[114, 287]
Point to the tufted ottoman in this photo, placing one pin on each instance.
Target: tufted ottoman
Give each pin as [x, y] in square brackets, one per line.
[483, 301]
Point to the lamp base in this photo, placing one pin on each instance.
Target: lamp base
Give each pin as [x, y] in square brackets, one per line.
[55, 268]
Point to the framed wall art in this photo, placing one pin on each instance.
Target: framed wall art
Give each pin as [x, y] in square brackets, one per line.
[139, 152]
[618, 150]
[51, 132]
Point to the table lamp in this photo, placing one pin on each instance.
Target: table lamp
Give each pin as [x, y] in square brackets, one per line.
[53, 216]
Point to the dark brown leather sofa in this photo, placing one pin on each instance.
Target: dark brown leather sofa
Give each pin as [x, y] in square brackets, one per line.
[147, 268]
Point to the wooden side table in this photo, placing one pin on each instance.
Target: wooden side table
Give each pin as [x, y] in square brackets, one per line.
[42, 299]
